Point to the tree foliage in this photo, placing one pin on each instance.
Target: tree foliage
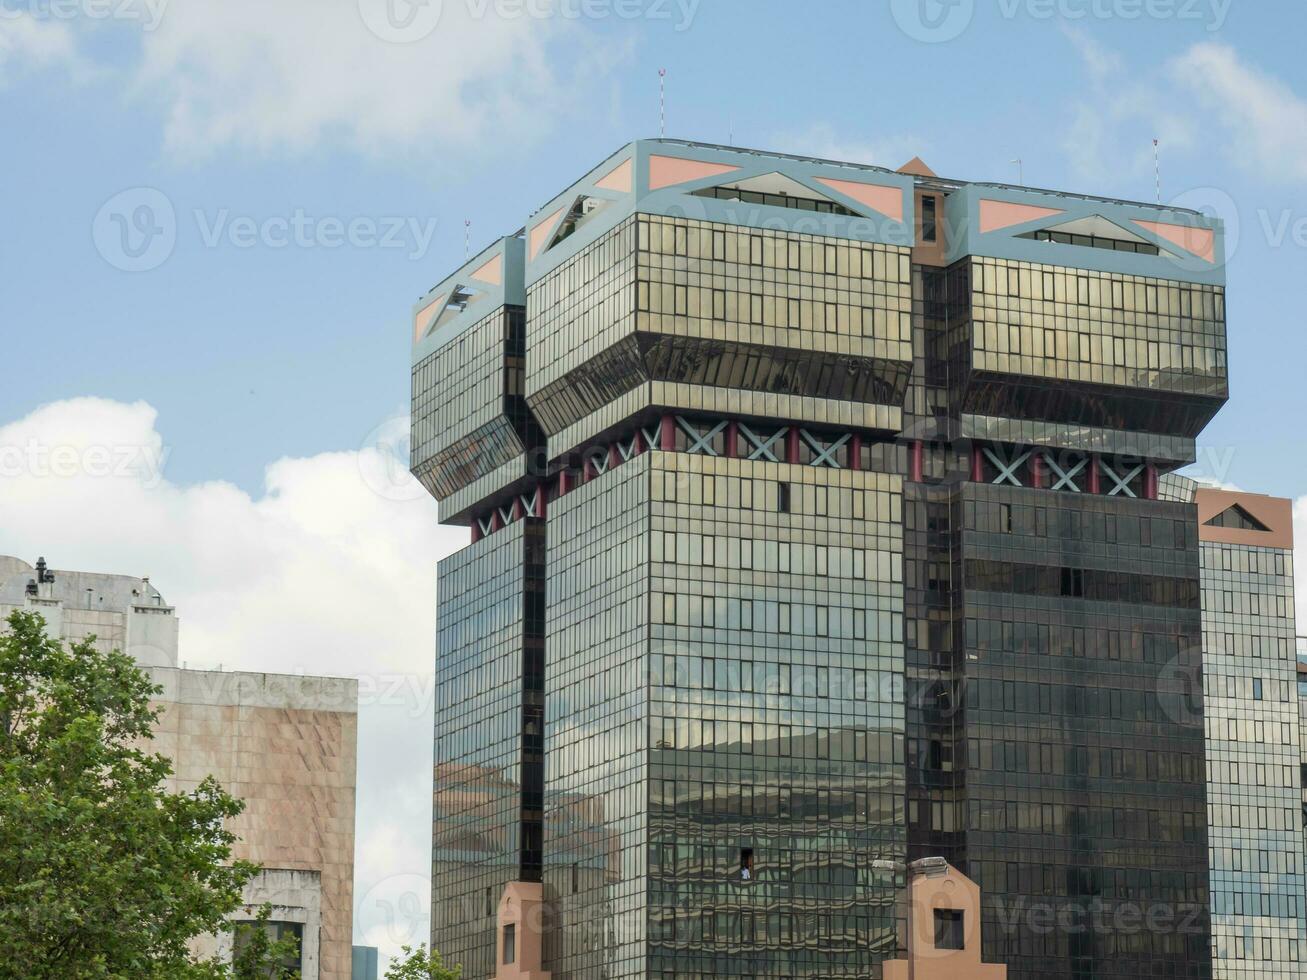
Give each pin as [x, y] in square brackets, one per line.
[257, 956]
[104, 872]
[418, 964]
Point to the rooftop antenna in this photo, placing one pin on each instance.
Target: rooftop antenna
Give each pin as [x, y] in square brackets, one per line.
[467, 238]
[1021, 171]
[1157, 168]
[662, 102]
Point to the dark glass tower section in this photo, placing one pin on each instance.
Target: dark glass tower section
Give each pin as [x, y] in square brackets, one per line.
[1053, 601]
[472, 433]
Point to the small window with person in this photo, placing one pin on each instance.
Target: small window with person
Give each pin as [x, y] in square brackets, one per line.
[746, 864]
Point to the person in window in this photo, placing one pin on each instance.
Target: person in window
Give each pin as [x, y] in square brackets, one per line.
[746, 865]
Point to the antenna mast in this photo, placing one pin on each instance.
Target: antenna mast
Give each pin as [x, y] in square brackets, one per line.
[1157, 169]
[662, 102]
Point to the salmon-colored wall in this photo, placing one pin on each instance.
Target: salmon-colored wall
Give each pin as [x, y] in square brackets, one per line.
[951, 890]
[522, 905]
[1275, 513]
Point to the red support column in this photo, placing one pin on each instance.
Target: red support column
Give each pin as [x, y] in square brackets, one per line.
[638, 442]
[543, 498]
[518, 510]
[732, 440]
[1095, 475]
[855, 451]
[1037, 470]
[667, 434]
[496, 523]
[792, 444]
[1150, 481]
[977, 465]
[614, 456]
[564, 482]
[918, 460]
[476, 531]
[586, 471]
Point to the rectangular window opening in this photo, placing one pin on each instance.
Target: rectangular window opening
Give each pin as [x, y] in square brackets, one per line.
[949, 932]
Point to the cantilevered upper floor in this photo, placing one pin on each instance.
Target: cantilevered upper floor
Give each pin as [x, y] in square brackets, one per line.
[469, 420]
[690, 278]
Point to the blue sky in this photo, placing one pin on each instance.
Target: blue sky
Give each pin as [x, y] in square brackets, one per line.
[257, 352]
[251, 343]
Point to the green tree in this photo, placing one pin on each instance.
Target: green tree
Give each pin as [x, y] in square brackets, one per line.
[418, 964]
[257, 956]
[103, 871]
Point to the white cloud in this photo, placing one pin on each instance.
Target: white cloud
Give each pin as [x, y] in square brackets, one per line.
[1206, 98]
[292, 74]
[1265, 120]
[1109, 140]
[463, 78]
[320, 574]
[26, 42]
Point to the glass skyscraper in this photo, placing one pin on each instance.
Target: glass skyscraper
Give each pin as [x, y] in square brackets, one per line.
[820, 522]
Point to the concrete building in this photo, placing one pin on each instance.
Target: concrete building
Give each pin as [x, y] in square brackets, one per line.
[819, 511]
[284, 744]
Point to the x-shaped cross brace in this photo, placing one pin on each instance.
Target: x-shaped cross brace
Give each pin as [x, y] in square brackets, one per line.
[1122, 482]
[1007, 471]
[825, 454]
[1066, 477]
[762, 447]
[651, 440]
[701, 443]
[627, 449]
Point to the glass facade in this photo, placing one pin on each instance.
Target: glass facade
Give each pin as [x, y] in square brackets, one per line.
[1253, 739]
[1056, 751]
[1041, 341]
[1085, 785]
[725, 743]
[839, 561]
[469, 415]
[685, 300]
[488, 792]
